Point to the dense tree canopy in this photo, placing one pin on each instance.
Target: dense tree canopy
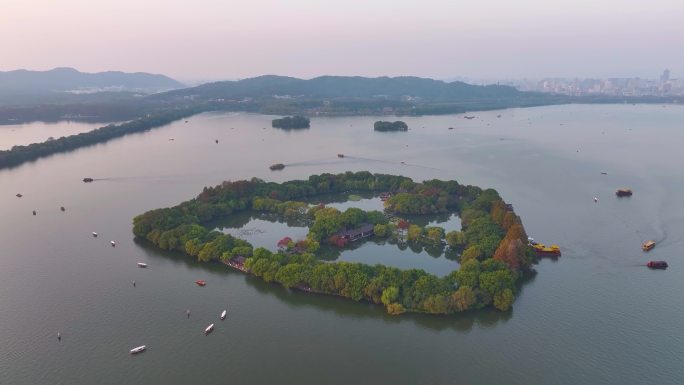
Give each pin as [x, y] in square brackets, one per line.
[290, 122]
[493, 235]
[390, 126]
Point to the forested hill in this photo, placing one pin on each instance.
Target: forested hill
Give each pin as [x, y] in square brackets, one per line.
[346, 87]
[69, 79]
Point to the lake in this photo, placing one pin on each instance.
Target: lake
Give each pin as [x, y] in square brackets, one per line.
[36, 132]
[596, 315]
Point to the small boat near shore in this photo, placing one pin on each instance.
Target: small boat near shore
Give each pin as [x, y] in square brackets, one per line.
[112, 243]
[87, 180]
[543, 251]
[648, 245]
[94, 234]
[623, 192]
[142, 265]
[657, 264]
[201, 282]
[340, 155]
[223, 315]
[139, 349]
[277, 166]
[209, 329]
[19, 195]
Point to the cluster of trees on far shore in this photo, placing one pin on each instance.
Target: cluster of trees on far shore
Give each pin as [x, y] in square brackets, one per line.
[290, 122]
[390, 126]
[493, 240]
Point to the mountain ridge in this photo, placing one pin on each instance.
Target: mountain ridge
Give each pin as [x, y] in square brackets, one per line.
[63, 79]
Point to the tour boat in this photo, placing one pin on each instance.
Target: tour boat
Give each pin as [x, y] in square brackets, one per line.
[94, 234]
[542, 250]
[340, 155]
[623, 192]
[209, 329]
[87, 180]
[223, 315]
[277, 166]
[657, 264]
[201, 282]
[648, 245]
[113, 243]
[141, 264]
[139, 349]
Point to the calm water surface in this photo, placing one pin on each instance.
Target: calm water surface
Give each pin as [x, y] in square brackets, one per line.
[36, 132]
[594, 316]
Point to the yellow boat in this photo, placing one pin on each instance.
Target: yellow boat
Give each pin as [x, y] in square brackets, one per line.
[648, 245]
[542, 250]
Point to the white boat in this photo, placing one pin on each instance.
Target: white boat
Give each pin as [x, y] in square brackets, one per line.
[113, 243]
[140, 264]
[139, 349]
[209, 329]
[94, 234]
[223, 315]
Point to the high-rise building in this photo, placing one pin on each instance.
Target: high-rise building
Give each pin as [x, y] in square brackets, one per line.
[665, 76]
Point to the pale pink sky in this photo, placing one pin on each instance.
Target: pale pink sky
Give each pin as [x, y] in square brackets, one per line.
[212, 39]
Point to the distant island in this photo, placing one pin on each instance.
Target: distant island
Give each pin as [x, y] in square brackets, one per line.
[291, 122]
[390, 126]
[493, 243]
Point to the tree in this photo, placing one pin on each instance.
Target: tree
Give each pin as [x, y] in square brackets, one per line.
[434, 234]
[414, 233]
[327, 221]
[395, 309]
[380, 230]
[504, 299]
[290, 275]
[469, 274]
[389, 295]
[285, 243]
[352, 217]
[471, 253]
[455, 239]
[463, 298]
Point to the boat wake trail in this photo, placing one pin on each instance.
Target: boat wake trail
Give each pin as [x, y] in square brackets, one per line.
[392, 162]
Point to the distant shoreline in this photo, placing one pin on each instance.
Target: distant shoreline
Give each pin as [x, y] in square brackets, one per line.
[18, 155]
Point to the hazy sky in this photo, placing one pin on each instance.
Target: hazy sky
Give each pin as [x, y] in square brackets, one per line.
[213, 39]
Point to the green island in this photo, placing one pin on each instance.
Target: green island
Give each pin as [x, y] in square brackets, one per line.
[493, 241]
[384, 126]
[291, 122]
